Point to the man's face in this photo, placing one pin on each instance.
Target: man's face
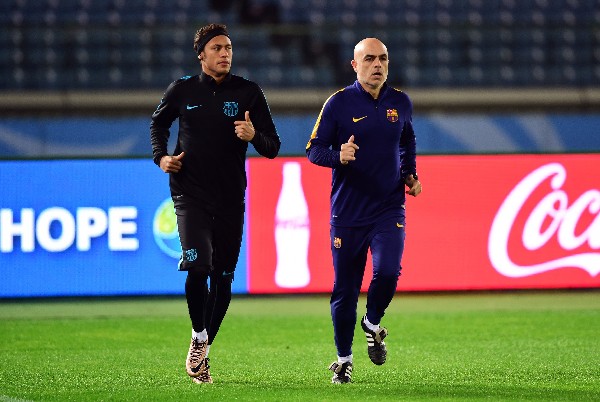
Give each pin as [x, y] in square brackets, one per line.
[371, 63]
[216, 57]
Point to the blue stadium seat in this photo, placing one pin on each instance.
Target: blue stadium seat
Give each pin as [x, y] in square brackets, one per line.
[441, 42]
[296, 11]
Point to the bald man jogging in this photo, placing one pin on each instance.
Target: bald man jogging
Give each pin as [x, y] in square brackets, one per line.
[364, 133]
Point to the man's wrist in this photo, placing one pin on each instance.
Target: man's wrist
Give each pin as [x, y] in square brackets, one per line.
[412, 177]
[158, 158]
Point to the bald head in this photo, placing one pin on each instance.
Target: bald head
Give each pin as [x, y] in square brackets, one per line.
[371, 64]
[368, 44]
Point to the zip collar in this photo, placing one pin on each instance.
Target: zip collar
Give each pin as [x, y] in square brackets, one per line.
[210, 81]
[382, 91]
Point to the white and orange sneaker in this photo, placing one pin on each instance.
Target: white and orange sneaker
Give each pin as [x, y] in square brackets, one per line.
[196, 358]
[204, 377]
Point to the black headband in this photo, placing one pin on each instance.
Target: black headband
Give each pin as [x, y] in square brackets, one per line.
[209, 36]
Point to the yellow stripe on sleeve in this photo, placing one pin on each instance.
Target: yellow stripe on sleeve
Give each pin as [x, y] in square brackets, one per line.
[314, 132]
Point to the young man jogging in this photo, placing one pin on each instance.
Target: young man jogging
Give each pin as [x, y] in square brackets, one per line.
[219, 114]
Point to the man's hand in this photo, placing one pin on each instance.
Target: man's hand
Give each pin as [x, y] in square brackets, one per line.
[244, 129]
[414, 186]
[347, 151]
[171, 164]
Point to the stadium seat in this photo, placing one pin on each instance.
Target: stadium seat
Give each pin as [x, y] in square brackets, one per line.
[489, 42]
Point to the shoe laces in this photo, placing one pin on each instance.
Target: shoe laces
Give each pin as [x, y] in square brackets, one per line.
[380, 334]
[341, 369]
[196, 351]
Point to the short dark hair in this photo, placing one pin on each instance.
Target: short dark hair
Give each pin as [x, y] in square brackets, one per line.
[206, 31]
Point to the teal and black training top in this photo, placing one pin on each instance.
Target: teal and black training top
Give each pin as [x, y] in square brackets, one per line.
[213, 169]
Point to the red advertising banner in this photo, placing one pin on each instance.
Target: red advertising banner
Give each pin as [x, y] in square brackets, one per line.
[482, 222]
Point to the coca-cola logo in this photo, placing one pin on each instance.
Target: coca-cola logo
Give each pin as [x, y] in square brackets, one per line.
[553, 221]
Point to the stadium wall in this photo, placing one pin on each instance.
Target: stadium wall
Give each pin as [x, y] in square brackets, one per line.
[438, 133]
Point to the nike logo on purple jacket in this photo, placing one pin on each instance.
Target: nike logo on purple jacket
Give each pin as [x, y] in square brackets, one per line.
[372, 186]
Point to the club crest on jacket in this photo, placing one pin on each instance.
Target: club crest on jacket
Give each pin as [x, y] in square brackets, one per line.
[230, 108]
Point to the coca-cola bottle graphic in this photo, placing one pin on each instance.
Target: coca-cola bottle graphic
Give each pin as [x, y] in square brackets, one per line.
[292, 230]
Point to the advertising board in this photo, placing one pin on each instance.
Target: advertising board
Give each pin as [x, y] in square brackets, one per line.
[89, 228]
[482, 222]
[107, 227]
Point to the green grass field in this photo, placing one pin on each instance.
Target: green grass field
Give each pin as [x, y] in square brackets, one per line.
[542, 346]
